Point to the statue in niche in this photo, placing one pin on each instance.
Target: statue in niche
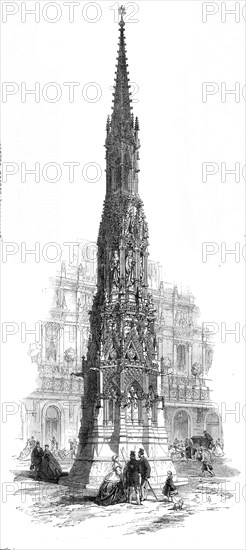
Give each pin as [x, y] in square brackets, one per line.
[81, 271]
[132, 404]
[162, 315]
[142, 331]
[130, 264]
[138, 296]
[148, 406]
[63, 270]
[208, 358]
[149, 402]
[196, 369]
[145, 230]
[141, 226]
[64, 304]
[154, 342]
[115, 269]
[141, 275]
[131, 397]
[58, 303]
[51, 351]
[130, 224]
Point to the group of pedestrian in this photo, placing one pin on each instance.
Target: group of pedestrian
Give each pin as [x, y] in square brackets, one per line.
[137, 473]
[44, 464]
[122, 485]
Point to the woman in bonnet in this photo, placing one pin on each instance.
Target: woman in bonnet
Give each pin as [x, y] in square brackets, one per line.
[111, 491]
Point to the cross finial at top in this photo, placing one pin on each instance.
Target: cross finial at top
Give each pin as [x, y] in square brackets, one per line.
[122, 11]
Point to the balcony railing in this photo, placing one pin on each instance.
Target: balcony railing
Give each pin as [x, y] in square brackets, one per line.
[185, 388]
[171, 379]
[62, 384]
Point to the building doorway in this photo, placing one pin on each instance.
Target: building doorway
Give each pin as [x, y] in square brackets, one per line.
[181, 425]
[213, 425]
[52, 425]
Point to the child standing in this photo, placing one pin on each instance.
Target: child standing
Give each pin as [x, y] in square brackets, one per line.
[169, 488]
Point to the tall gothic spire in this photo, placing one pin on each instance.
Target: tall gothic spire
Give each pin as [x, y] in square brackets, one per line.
[122, 141]
[122, 405]
[121, 117]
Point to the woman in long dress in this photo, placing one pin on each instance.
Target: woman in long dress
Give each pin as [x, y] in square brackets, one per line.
[26, 452]
[218, 451]
[111, 491]
[50, 469]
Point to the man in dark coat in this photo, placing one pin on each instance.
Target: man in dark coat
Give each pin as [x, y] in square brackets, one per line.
[36, 458]
[208, 440]
[132, 478]
[145, 474]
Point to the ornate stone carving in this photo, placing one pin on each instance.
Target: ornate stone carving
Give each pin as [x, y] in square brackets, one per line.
[34, 352]
[166, 365]
[200, 415]
[130, 266]
[196, 369]
[150, 400]
[183, 325]
[208, 358]
[115, 270]
[69, 355]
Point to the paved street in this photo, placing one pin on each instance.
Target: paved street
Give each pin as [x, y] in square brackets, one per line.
[52, 506]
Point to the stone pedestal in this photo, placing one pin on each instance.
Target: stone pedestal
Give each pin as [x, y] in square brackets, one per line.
[94, 460]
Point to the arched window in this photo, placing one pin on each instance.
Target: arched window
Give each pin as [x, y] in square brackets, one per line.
[52, 413]
[181, 356]
[52, 425]
[110, 406]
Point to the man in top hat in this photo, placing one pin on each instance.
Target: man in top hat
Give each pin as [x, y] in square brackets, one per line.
[132, 478]
[145, 470]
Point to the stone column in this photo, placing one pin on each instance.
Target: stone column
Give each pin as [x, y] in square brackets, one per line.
[145, 274]
[175, 357]
[137, 271]
[43, 341]
[190, 359]
[123, 450]
[203, 356]
[60, 346]
[79, 345]
[122, 264]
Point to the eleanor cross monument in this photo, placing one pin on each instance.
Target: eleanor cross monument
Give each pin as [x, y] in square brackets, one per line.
[122, 406]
